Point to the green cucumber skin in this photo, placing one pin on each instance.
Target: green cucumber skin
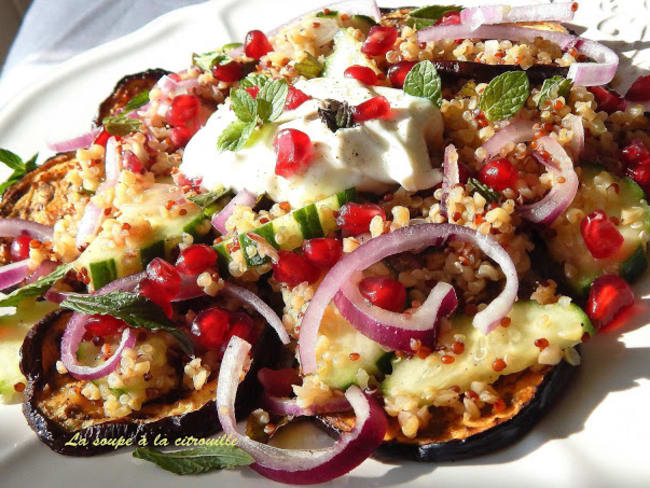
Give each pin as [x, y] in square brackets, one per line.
[148, 254]
[307, 218]
[634, 266]
[102, 273]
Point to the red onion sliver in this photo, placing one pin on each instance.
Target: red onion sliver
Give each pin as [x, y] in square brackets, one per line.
[396, 330]
[244, 197]
[79, 142]
[401, 240]
[577, 144]
[17, 227]
[14, 273]
[558, 199]
[45, 268]
[519, 130]
[289, 406]
[450, 175]
[501, 14]
[587, 74]
[299, 466]
[260, 306]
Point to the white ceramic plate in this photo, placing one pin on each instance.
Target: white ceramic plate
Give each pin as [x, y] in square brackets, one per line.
[598, 434]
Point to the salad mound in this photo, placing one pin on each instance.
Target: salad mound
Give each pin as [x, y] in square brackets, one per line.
[402, 223]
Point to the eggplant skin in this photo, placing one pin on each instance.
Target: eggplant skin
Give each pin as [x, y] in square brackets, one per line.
[39, 354]
[125, 89]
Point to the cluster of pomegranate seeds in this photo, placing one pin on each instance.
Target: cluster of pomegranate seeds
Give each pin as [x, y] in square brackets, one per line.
[256, 44]
[323, 252]
[380, 40]
[636, 158]
[184, 115]
[601, 236]
[103, 326]
[640, 90]
[609, 295]
[229, 72]
[450, 18]
[292, 269]
[294, 152]
[20, 247]
[397, 73]
[195, 259]
[498, 174]
[211, 326]
[161, 284]
[385, 293]
[355, 217]
[375, 108]
[278, 382]
[363, 74]
[295, 98]
[242, 326]
[608, 101]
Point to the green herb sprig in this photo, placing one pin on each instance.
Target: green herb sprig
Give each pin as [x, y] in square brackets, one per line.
[19, 167]
[505, 95]
[198, 460]
[424, 81]
[427, 16]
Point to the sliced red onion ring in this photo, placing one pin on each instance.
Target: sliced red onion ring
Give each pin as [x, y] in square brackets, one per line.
[519, 130]
[600, 72]
[45, 268]
[260, 306]
[244, 197]
[401, 240]
[299, 466]
[14, 273]
[17, 227]
[501, 14]
[577, 144]
[450, 175]
[171, 88]
[289, 406]
[79, 142]
[562, 194]
[396, 330]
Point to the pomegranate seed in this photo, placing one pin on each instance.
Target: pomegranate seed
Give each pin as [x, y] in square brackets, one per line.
[102, 138]
[499, 365]
[397, 73]
[324, 252]
[636, 152]
[294, 152]
[293, 269]
[180, 136]
[20, 247]
[229, 72]
[640, 90]
[195, 259]
[242, 326]
[450, 18]
[600, 235]
[278, 382]
[253, 91]
[132, 162]
[385, 293]
[607, 100]
[498, 174]
[151, 289]
[210, 327]
[256, 44]
[641, 175]
[363, 74]
[375, 108]
[184, 111]
[165, 276]
[609, 295]
[102, 326]
[295, 98]
[379, 41]
[355, 217]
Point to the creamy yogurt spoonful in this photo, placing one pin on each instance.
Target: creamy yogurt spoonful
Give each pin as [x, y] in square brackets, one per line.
[371, 156]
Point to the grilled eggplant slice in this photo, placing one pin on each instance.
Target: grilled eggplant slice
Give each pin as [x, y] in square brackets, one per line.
[529, 395]
[60, 415]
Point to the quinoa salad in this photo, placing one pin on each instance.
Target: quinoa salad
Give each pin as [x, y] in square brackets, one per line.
[401, 224]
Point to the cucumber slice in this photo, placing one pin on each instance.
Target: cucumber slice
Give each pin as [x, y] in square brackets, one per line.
[347, 52]
[362, 22]
[559, 324]
[567, 247]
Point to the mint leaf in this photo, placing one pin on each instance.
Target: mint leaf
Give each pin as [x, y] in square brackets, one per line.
[309, 67]
[11, 160]
[35, 289]
[199, 460]
[505, 95]
[20, 169]
[134, 309]
[271, 100]
[254, 79]
[137, 101]
[423, 81]
[337, 115]
[230, 46]
[121, 125]
[485, 191]
[235, 136]
[244, 105]
[207, 61]
[554, 87]
[204, 200]
[427, 16]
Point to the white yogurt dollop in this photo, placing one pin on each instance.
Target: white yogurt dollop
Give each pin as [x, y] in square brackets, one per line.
[370, 157]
